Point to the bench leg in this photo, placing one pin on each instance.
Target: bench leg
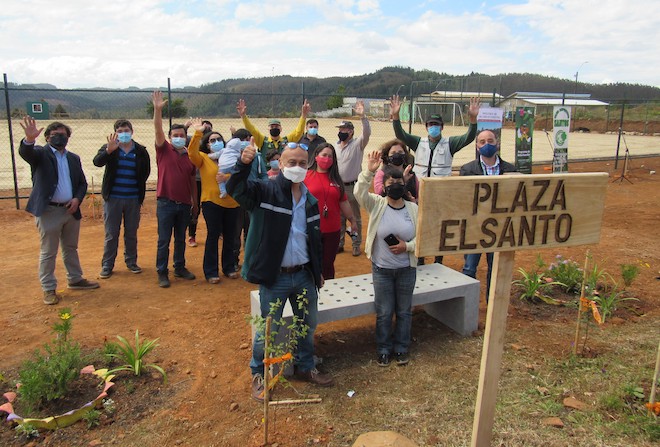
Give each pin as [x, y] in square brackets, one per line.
[459, 314]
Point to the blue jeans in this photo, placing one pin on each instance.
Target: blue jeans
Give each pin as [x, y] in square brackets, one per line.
[221, 221]
[393, 290]
[114, 211]
[471, 264]
[175, 217]
[287, 287]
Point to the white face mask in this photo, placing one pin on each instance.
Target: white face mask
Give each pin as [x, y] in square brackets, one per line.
[296, 173]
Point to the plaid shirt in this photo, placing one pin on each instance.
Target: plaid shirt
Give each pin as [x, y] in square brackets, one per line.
[491, 170]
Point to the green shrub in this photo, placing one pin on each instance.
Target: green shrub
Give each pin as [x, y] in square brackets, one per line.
[567, 272]
[629, 272]
[133, 356]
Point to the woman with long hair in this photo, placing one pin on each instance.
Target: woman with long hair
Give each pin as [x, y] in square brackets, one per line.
[324, 182]
[396, 155]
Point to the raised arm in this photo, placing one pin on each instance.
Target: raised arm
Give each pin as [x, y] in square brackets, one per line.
[193, 146]
[459, 142]
[411, 141]
[241, 108]
[300, 128]
[26, 149]
[366, 127]
[361, 191]
[159, 103]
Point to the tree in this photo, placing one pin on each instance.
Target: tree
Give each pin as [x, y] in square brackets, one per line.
[177, 107]
[60, 112]
[336, 100]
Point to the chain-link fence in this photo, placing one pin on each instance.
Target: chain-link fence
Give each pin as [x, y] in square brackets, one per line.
[91, 114]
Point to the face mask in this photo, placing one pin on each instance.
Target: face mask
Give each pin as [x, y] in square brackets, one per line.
[343, 136]
[488, 150]
[275, 132]
[124, 137]
[324, 162]
[395, 191]
[275, 165]
[58, 140]
[244, 144]
[178, 142]
[312, 131]
[434, 131]
[397, 159]
[217, 146]
[296, 173]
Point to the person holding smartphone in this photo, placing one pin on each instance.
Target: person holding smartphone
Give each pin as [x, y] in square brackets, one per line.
[390, 245]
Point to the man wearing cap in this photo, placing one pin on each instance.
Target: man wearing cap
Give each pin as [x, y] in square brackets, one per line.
[312, 138]
[434, 154]
[275, 140]
[349, 161]
[488, 163]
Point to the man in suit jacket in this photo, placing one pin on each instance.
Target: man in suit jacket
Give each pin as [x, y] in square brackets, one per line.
[488, 163]
[58, 188]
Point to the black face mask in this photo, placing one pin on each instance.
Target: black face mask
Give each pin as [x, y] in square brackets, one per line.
[395, 191]
[275, 132]
[397, 159]
[58, 140]
[343, 136]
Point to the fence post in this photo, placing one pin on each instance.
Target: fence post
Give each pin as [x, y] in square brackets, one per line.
[11, 142]
[169, 101]
[618, 143]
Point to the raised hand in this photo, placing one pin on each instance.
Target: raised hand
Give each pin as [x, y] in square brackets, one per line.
[158, 100]
[249, 153]
[395, 107]
[407, 174]
[196, 123]
[373, 160]
[306, 108]
[359, 108]
[113, 143]
[29, 125]
[473, 111]
[241, 108]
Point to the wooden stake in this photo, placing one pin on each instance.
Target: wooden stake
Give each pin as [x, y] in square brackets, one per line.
[314, 400]
[93, 200]
[579, 314]
[655, 380]
[491, 356]
[266, 376]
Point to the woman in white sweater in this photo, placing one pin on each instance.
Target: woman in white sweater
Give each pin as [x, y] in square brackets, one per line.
[390, 245]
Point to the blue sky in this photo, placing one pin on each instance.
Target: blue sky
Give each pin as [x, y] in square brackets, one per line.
[122, 43]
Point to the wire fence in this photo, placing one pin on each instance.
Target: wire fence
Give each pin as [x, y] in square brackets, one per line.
[91, 114]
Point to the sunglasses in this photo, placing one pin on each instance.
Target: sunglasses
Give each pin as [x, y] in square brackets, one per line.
[295, 145]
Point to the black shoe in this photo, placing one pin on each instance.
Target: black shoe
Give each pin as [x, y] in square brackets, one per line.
[105, 273]
[402, 358]
[183, 273]
[383, 360]
[314, 376]
[163, 280]
[84, 284]
[134, 268]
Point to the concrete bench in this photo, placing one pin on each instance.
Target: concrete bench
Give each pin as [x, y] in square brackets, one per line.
[447, 295]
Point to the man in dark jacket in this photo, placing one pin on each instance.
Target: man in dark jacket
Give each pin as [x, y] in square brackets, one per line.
[488, 163]
[58, 189]
[282, 252]
[127, 167]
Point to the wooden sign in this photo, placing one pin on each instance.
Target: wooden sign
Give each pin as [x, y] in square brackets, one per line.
[485, 214]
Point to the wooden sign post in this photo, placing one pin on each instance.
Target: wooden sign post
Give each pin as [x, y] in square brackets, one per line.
[503, 214]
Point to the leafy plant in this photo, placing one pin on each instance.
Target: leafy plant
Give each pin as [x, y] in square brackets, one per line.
[629, 272]
[109, 406]
[27, 431]
[567, 272]
[93, 418]
[133, 356]
[534, 286]
[47, 377]
[596, 278]
[609, 301]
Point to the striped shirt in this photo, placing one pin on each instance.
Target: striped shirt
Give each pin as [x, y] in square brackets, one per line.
[126, 184]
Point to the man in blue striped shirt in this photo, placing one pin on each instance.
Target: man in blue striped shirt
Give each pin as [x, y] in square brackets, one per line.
[127, 168]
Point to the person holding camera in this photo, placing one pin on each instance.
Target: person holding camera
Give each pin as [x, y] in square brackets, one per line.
[390, 245]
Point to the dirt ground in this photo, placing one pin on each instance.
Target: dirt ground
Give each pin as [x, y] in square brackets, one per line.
[204, 336]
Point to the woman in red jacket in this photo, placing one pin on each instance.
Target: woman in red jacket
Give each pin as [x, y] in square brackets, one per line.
[324, 182]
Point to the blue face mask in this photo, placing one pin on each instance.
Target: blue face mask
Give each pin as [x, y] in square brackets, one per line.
[217, 146]
[488, 150]
[178, 142]
[124, 137]
[313, 131]
[434, 131]
[275, 164]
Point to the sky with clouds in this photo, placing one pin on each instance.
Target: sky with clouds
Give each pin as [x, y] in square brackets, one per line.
[122, 43]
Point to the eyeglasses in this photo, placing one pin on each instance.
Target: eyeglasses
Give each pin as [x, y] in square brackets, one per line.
[214, 140]
[295, 145]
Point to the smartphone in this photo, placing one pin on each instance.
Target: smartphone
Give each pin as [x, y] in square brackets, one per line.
[391, 239]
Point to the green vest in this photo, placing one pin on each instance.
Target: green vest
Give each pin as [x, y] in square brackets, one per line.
[269, 145]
